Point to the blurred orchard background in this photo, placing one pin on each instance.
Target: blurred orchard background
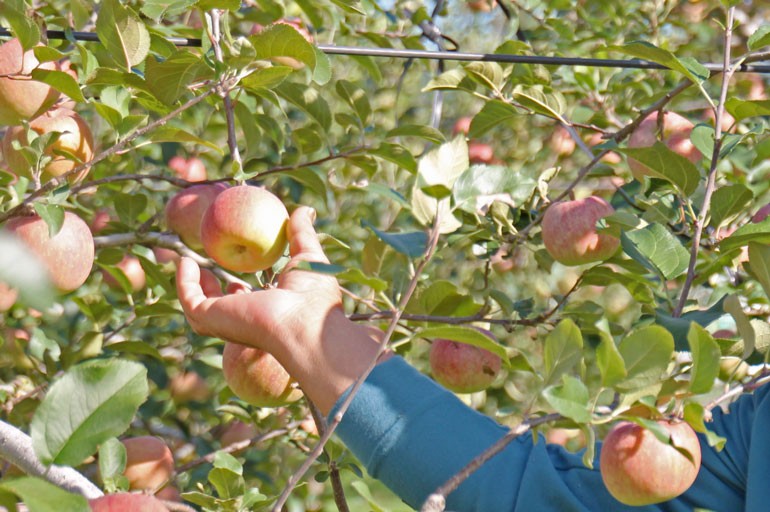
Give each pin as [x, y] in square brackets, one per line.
[177, 93]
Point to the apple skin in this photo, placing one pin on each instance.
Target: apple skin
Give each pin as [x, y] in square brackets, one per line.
[164, 255]
[75, 138]
[639, 470]
[761, 214]
[480, 153]
[610, 158]
[569, 231]
[236, 432]
[480, 5]
[8, 297]
[257, 377]
[561, 142]
[188, 387]
[184, 212]
[126, 502]
[462, 125]
[68, 256]
[462, 368]
[132, 269]
[149, 463]
[676, 132]
[22, 98]
[100, 221]
[191, 169]
[244, 229]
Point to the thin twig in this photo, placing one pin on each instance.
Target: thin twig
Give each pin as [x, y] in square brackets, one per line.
[334, 472]
[705, 210]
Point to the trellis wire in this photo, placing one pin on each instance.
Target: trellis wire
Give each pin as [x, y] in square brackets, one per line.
[439, 55]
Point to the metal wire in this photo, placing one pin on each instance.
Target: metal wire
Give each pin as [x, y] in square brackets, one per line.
[440, 55]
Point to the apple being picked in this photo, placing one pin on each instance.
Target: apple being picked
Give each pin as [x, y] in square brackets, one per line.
[569, 231]
[74, 145]
[68, 256]
[184, 212]
[244, 229]
[127, 502]
[638, 469]
[675, 134]
[257, 377]
[463, 368]
[132, 269]
[22, 98]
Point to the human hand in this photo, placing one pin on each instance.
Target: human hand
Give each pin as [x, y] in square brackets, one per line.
[301, 322]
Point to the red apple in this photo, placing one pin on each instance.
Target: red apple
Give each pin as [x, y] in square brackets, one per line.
[100, 221]
[188, 387]
[164, 255]
[149, 463]
[126, 502]
[8, 297]
[191, 169]
[22, 98]
[169, 493]
[184, 212]
[257, 377]
[132, 269]
[610, 158]
[236, 432]
[505, 260]
[462, 125]
[761, 214]
[480, 153]
[12, 352]
[68, 256]
[480, 5]
[561, 142]
[640, 470]
[75, 139]
[569, 231]
[463, 368]
[244, 229]
[675, 135]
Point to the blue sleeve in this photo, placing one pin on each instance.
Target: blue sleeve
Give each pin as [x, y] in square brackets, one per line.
[413, 435]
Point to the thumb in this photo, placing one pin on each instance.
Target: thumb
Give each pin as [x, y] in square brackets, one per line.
[303, 239]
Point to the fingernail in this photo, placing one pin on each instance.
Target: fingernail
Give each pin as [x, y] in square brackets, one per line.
[312, 214]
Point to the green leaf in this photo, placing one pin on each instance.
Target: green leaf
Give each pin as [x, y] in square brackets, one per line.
[112, 458]
[467, 335]
[450, 80]
[61, 81]
[168, 80]
[611, 365]
[479, 186]
[417, 130]
[227, 483]
[438, 170]
[283, 40]
[646, 353]
[41, 496]
[322, 72]
[224, 460]
[413, 243]
[229, 5]
[705, 359]
[694, 71]
[680, 327]
[745, 329]
[53, 215]
[563, 350]
[135, 347]
[173, 134]
[488, 74]
[656, 248]
[129, 207]
[22, 26]
[157, 9]
[694, 414]
[570, 399]
[728, 201]
[667, 165]
[743, 109]
[308, 100]
[492, 114]
[122, 32]
[758, 232]
[550, 104]
[397, 154]
[760, 38]
[266, 77]
[350, 6]
[89, 404]
[759, 264]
